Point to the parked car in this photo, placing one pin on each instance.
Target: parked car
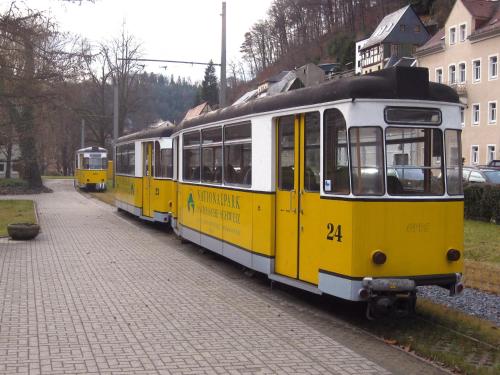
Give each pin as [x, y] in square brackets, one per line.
[494, 164]
[481, 175]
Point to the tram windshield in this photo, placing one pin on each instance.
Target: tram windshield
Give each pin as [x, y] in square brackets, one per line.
[94, 162]
[414, 161]
[419, 161]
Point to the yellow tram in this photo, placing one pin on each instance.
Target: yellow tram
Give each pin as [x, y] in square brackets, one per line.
[351, 188]
[144, 173]
[91, 167]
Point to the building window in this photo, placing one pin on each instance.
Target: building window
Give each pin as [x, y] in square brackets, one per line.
[439, 75]
[476, 70]
[493, 67]
[2, 167]
[462, 117]
[474, 154]
[452, 74]
[463, 32]
[491, 154]
[461, 72]
[417, 28]
[402, 27]
[492, 112]
[453, 35]
[475, 114]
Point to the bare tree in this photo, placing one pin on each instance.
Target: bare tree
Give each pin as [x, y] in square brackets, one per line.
[35, 56]
[121, 55]
[107, 64]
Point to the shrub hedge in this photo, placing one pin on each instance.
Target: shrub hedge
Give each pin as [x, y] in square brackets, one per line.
[482, 202]
[13, 183]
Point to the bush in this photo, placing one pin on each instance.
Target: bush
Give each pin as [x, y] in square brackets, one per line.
[482, 202]
[490, 204]
[13, 183]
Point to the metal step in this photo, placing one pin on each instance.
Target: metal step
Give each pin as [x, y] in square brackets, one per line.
[295, 283]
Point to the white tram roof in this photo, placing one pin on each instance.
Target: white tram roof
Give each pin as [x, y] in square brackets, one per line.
[158, 130]
[398, 83]
[91, 149]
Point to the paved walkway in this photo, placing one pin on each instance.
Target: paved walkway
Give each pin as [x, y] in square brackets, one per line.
[98, 292]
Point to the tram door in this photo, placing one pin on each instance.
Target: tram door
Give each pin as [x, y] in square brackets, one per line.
[147, 176]
[297, 196]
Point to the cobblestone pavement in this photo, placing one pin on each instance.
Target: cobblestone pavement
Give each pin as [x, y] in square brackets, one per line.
[101, 293]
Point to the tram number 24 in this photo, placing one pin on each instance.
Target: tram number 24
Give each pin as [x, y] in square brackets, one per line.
[334, 232]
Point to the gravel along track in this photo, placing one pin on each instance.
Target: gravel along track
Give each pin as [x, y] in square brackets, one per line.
[471, 301]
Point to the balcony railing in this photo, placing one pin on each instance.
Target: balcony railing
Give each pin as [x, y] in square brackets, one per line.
[460, 88]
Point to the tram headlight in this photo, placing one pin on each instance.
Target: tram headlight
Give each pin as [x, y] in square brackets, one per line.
[453, 255]
[379, 257]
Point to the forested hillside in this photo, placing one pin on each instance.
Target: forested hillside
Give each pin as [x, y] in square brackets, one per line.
[295, 32]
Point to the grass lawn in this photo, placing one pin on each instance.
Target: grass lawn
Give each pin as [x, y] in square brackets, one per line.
[58, 177]
[482, 241]
[15, 211]
[461, 342]
[482, 255]
[107, 196]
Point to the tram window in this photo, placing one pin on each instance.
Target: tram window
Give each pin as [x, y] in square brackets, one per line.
[414, 161]
[211, 155]
[95, 162]
[312, 152]
[191, 156]
[286, 155]
[131, 159]
[336, 163]
[453, 162]
[125, 159]
[407, 115]
[163, 162]
[238, 154]
[366, 160]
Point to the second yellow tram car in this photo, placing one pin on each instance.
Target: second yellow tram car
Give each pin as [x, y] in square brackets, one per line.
[144, 173]
[91, 167]
[350, 188]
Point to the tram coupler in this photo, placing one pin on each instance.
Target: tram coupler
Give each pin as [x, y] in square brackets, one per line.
[396, 297]
[458, 287]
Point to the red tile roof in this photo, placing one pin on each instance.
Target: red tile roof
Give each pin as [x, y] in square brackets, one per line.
[487, 11]
[492, 24]
[481, 8]
[196, 111]
[433, 42]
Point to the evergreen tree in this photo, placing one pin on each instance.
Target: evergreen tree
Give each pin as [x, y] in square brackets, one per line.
[209, 86]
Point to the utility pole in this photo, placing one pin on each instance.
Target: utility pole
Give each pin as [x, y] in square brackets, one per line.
[83, 133]
[115, 125]
[222, 91]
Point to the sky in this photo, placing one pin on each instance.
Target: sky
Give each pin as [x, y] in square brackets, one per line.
[187, 30]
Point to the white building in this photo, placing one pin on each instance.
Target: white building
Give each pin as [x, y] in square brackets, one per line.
[359, 46]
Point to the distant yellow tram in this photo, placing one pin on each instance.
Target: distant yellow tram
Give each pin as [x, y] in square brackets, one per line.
[351, 188]
[91, 165]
